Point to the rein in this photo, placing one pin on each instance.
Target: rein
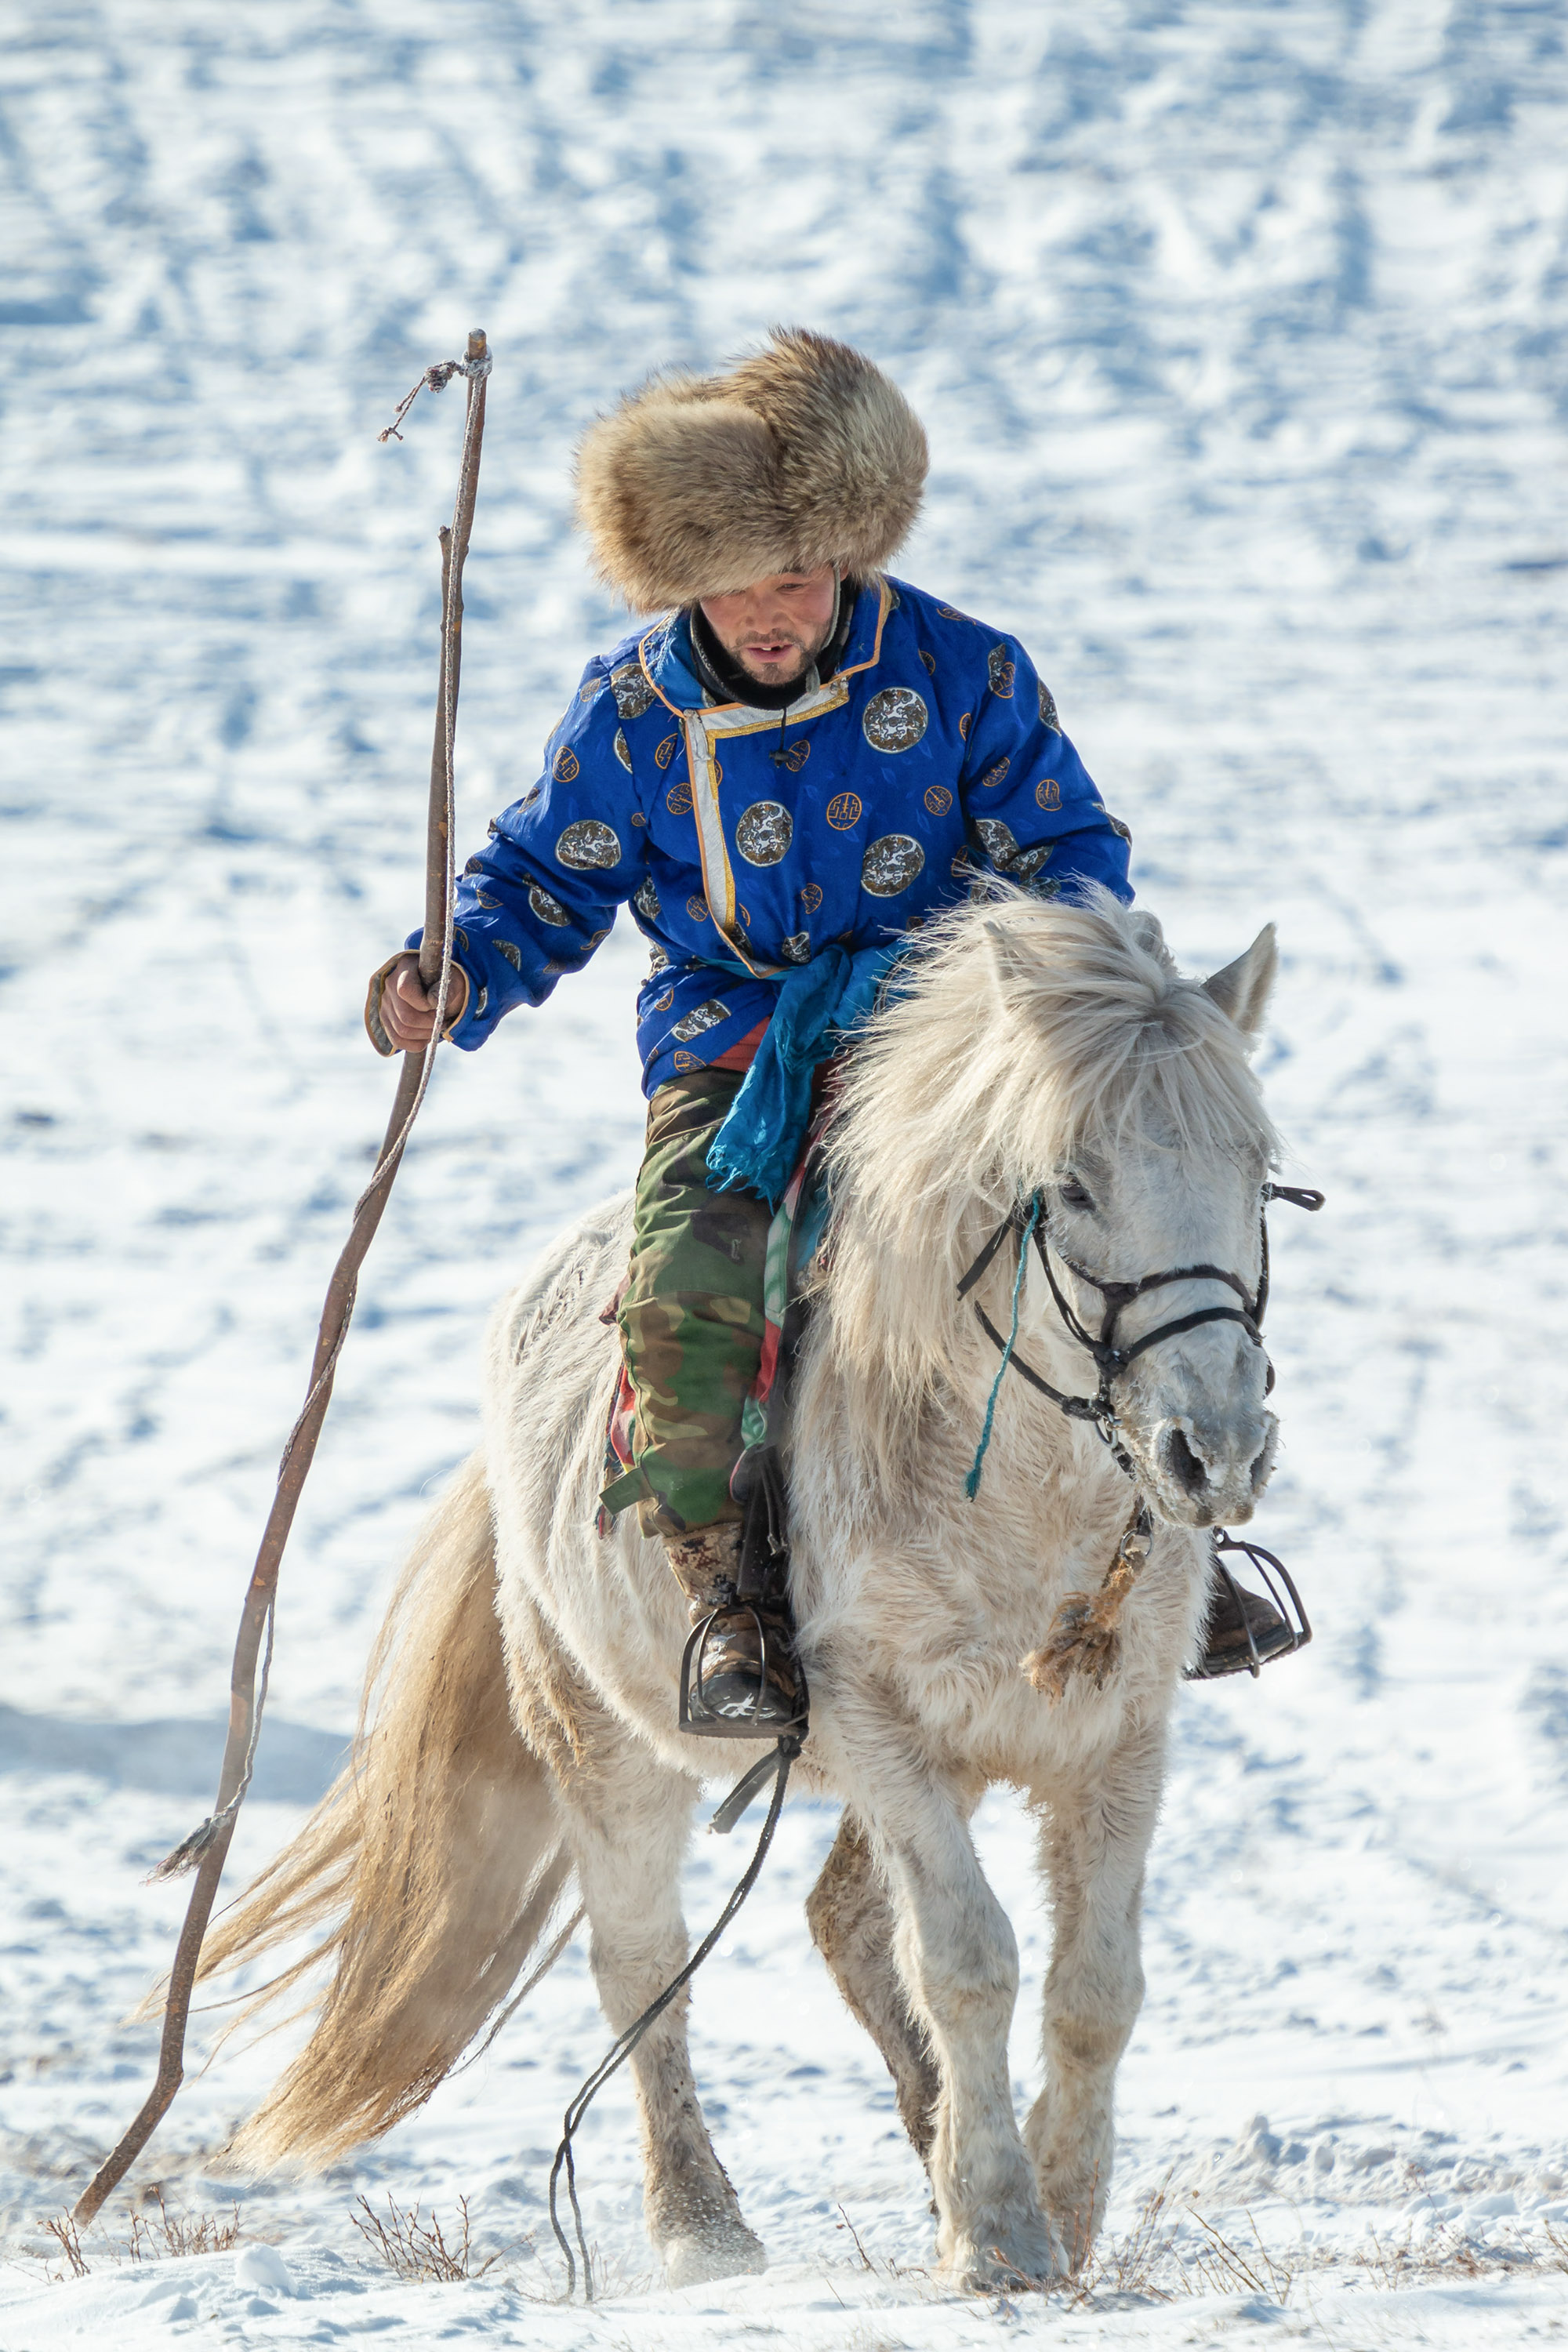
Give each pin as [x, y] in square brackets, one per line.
[616, 2057]
[1030, 1220]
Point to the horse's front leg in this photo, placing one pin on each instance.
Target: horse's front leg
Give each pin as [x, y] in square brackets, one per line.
[958, 1957]
[626, 1818]
[1094, 1844]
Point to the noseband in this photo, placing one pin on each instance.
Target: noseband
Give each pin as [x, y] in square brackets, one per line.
[1028, 1220]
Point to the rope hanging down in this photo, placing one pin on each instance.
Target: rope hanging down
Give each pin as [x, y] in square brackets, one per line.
[206, 1849]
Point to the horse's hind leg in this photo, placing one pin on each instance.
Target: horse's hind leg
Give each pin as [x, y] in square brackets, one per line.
[1094, 1845]
[851, 1922]
[626, 1819]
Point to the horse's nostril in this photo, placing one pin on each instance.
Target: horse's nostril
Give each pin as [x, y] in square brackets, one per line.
[1183, 1465]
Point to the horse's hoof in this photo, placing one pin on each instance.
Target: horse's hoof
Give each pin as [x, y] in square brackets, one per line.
[729, 2251]
[1018, 2262]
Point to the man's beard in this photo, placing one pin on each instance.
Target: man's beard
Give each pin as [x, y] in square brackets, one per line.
[776, 672]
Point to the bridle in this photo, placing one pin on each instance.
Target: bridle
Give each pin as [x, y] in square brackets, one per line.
[1029, 1219]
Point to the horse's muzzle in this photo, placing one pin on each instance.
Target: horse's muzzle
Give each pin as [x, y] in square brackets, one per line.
[1202, 1472]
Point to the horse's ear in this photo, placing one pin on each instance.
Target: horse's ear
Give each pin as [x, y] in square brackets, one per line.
[1241, 989]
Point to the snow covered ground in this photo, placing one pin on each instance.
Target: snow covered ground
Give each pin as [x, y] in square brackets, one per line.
[1240, 332]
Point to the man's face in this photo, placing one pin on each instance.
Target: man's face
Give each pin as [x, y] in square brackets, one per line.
[775, 630]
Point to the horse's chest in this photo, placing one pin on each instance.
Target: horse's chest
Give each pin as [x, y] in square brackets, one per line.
[957, 1659]
[965, 1682]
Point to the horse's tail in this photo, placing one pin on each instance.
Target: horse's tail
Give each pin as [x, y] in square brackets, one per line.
[435, 1860]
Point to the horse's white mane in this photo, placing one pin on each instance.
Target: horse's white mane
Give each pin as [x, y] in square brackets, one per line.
[1025, 1036]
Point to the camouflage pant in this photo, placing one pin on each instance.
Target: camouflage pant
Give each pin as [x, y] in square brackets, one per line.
[691, 1320]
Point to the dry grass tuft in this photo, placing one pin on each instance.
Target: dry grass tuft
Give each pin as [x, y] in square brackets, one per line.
[176, 2234]
[63, 2230]
[413, 2248]
[170, 2237]
[1151, 2263]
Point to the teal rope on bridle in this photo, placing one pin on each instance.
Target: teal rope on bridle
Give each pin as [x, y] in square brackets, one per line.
[972, 1484]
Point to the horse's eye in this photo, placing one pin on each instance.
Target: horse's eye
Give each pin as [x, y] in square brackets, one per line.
[1074, 1195]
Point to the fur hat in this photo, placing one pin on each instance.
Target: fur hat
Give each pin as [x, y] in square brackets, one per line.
[803, 454]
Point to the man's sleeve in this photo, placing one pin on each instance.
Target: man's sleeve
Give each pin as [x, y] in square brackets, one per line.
[1032, 809]
[541, 894]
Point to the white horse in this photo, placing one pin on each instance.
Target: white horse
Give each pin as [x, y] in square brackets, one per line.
[521, 1740]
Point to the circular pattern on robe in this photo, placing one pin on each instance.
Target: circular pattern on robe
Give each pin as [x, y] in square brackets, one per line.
[677, 800]
[796, 948]
[930, 661]
[964, 728]
[1000, 671]
[811, 897]
[697, 909]
[657, 961]
[588, 844]
[938, 799]
[843, 810]
[688, 1060]
[764, 832]
[891, 865]
[1047, 793]
[565, 765]
[1123, 832]
[628, 683]
[994, 776]
[647, 900]
[589, 689]
[662, 1003]
[664, 752]
[1028, 862]
[1048, 709]
[528, 799]
[894, 720]
[960, 869]
[483, 899]
[1001, 841]
[701, 1016]
[622, 752]
[512, 952]
[548, 910]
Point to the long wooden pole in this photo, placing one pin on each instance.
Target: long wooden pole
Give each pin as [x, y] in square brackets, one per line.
[206, 1849]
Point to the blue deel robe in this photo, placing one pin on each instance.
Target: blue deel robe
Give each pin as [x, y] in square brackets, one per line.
[932, 757]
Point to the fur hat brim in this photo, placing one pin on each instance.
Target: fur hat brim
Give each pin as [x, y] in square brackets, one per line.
[804, 454]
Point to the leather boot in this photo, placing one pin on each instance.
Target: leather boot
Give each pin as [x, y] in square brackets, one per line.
[1225, 1642]
[742, 1679]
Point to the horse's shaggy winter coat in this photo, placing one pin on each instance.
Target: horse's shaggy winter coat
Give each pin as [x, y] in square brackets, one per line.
[1040, 1047]
[803, 454]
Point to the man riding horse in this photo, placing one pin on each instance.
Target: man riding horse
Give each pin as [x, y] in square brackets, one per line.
[803, 761]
